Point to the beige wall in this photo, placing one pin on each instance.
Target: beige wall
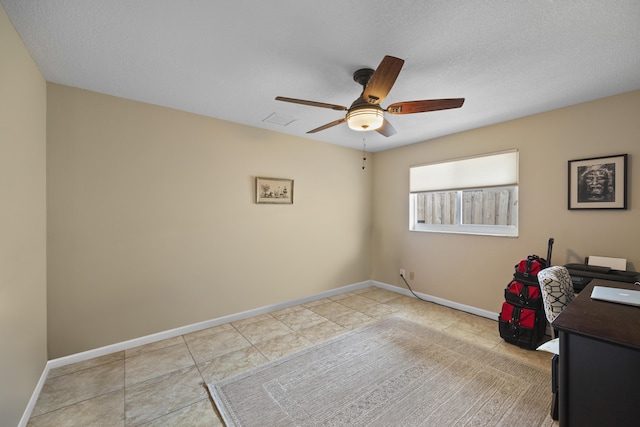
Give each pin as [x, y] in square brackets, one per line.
[152, 222]
[22, 224]
[474, 270]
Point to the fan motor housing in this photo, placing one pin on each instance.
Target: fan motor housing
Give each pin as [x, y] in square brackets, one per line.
[362, 76]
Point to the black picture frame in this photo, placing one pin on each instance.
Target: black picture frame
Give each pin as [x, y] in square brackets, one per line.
[598, 183]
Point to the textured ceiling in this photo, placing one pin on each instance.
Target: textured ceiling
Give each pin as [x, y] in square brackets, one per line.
[229, 59]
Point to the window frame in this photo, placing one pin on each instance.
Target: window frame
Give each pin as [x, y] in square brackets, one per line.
[460, 228]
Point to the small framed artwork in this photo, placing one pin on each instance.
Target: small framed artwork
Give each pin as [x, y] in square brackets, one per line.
[598, 183]
[274, 190]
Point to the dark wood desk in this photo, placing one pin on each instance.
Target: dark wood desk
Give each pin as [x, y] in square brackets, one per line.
[599, 365]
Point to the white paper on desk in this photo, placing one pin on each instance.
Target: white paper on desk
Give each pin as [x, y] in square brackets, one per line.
[552, 346]
[613, 263]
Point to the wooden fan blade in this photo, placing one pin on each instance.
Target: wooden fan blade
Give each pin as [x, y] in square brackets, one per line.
[410, 107]
[328, 125]
[311, 103]
[382, 80]
[386, 129]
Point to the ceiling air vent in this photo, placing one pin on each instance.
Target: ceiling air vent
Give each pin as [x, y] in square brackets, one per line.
[279, 119]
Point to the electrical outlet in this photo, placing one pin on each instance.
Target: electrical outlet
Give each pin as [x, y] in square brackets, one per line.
[402, 273]
[411, 275]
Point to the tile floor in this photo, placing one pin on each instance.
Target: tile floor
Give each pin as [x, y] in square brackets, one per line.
[163, 383]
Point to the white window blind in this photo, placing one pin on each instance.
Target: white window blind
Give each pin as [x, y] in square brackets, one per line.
[492, 170]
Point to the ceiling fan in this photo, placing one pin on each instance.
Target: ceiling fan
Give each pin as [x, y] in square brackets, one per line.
[365, 113]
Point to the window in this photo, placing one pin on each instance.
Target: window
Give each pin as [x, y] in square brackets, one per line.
[477, 195]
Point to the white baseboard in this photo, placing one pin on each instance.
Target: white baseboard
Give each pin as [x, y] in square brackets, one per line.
[34, 397]
[171, 333]
[451, 304]
[125, 345]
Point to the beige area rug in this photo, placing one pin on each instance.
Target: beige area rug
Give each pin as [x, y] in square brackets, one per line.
[392, 373]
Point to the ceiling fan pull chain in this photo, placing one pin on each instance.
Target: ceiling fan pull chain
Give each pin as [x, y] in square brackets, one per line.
[364, 154]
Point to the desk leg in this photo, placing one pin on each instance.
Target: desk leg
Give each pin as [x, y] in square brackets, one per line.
[563, 380]
[554, 387]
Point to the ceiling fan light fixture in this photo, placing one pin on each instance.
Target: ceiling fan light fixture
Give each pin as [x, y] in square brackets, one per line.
[366, 118]
[365, 113]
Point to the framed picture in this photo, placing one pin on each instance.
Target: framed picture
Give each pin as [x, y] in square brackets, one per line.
[274, 190]
[598, 183]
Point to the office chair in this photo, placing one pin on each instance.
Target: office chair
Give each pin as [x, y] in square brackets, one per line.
[557, 292]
